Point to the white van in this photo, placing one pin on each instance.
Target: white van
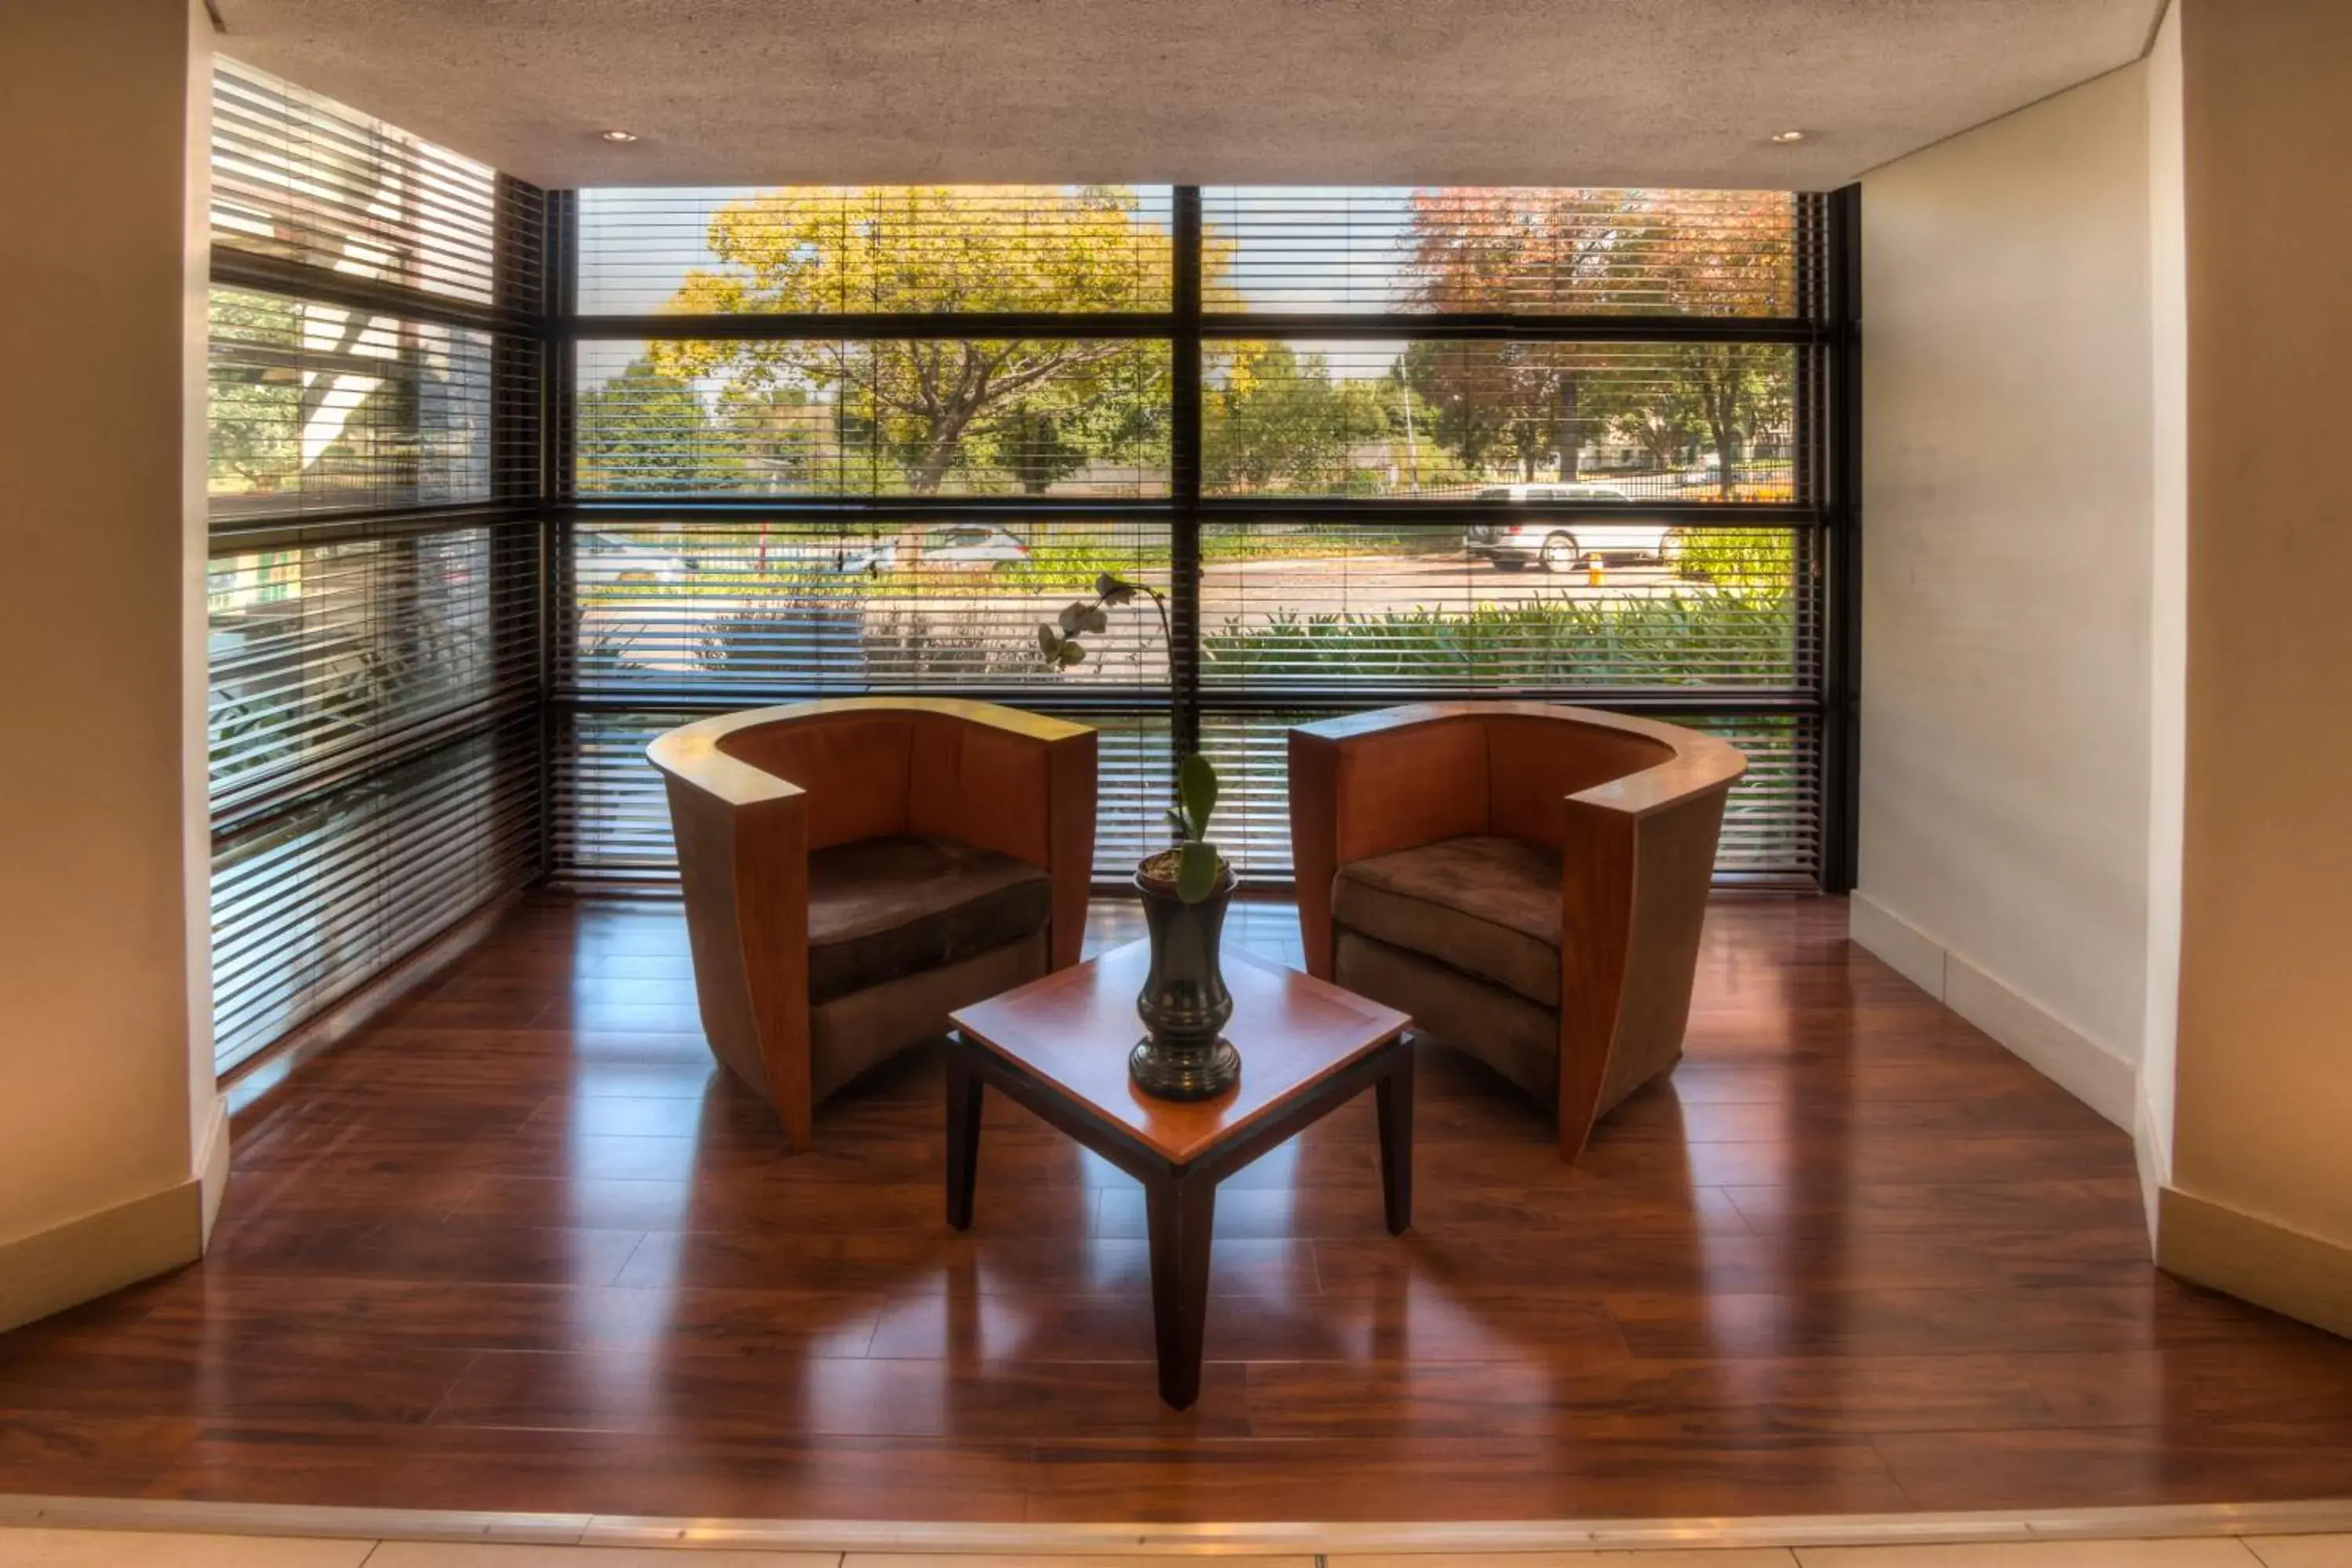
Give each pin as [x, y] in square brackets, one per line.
[1563, 544]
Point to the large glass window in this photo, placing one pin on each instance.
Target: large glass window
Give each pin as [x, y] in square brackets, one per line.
[1374, 445]
[1519, 421]
[300, 179]
[318, 407]
[807, 417]
[371, 597]
[876, 249]
[1505, 251]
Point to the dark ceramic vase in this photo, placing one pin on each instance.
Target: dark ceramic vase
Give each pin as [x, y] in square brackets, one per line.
[1184, 1003]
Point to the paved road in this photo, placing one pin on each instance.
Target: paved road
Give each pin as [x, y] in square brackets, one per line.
[668, 633]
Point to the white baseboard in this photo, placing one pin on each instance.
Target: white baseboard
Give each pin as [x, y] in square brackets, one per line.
[212, 1166]
[2257, 1259]
[2152, 1143]
[87, 1258]
[2100, 1078]
[1896, 942]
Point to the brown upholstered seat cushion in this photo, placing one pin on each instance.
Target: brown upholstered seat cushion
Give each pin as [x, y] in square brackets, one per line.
[1498, 1026]
[1488, 907]
[882, 909]
[851, 1034]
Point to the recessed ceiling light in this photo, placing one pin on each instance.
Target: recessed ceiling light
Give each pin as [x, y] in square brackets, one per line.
[1784, 137]
[624, 135]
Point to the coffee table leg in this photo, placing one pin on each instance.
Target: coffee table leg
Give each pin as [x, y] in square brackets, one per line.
[963, 1135]
[1395, 1097]
[1181, 1212]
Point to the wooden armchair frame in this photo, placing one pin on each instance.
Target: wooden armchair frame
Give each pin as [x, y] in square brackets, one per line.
[1635, 807]
[751, 793]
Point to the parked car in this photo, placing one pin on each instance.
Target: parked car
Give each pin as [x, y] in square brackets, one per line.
[608, 561]
[954, 545]
[1563, 544]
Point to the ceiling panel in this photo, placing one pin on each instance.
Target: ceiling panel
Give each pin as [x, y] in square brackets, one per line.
[1678, 92]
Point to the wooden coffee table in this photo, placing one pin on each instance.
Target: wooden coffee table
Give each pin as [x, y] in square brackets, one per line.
[1058, 1045]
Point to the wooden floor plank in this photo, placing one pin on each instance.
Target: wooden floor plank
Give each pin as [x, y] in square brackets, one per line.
[520, 1245]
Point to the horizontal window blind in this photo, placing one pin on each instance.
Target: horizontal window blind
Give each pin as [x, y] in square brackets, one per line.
[1337, 616]
[319, 408]
[1695, 422]
[1599, 606]
[744, 615]
[1772, 823]
[790, 610]
[880, 250]
[1364, 250]
[802, 417]
[613, 821]
[324, 656]
[300, 179]
[310, 903]
[374, 609]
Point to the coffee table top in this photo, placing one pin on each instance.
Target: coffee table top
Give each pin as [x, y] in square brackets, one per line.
[1074, 1028]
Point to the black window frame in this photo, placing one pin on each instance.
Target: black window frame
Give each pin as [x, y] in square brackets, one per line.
[1824, 515]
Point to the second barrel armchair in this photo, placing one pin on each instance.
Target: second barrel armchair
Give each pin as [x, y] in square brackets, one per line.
[1526, 879]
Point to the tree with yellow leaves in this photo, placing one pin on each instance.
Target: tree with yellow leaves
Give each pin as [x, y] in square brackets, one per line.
[1017, 411]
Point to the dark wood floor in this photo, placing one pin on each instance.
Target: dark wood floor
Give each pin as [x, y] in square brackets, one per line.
[520, 1247]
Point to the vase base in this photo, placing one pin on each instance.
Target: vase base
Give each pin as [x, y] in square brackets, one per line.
[1167, 1074]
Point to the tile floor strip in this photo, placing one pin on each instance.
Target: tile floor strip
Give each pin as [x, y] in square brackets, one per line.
[1339, 1542]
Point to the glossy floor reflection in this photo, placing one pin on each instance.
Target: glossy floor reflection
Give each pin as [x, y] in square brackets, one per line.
[519, 1246]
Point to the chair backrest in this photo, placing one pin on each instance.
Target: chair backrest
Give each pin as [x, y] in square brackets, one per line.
[1478, 771]
[856, 765]
[1534, 764]
[874, 772]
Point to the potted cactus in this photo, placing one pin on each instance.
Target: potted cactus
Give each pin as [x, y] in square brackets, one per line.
[1184, 1004]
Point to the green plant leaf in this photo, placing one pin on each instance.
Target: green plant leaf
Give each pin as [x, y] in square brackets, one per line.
[1197, 866]
[1049, 642]
[1176, 820]
[1073, 619]
[1095, 621]
[1112, 590]
[1196, 787]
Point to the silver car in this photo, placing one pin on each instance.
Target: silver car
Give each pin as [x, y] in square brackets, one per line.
[1563, 544]
[611, 561]
[985, 544]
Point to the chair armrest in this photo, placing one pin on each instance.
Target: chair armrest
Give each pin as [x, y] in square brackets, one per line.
[742, 854]
[1637, 864]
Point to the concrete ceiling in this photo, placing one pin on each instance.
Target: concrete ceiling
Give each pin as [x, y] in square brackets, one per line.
[1671, 92]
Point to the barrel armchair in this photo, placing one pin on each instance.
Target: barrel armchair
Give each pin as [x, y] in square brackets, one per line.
[1527, 880]
[855, 869]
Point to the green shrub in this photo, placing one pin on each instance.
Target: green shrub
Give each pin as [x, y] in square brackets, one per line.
[1749, 558]
[1711, 637]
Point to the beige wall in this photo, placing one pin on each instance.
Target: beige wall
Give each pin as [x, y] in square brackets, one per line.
[2005, 726]
[2263, 1125]
[2107, 720]
[106, 1100]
